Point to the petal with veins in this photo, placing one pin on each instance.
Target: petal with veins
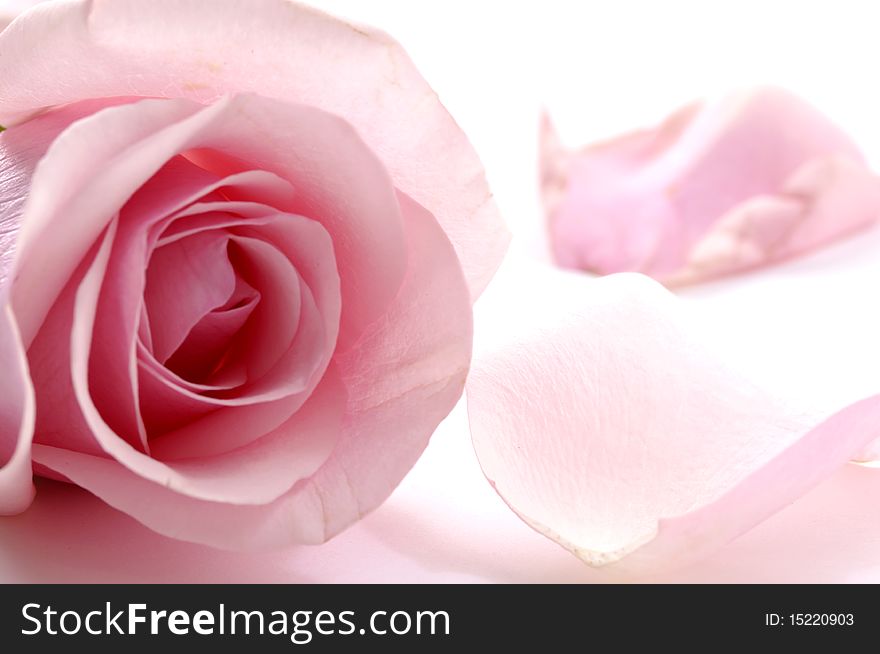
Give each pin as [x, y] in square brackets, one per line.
[608, 425]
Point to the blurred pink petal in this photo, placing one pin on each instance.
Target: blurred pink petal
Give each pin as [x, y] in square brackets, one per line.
[128, 47]
[608, 426]
[718, 188]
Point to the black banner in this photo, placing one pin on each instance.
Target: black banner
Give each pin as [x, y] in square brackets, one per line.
[279, 618]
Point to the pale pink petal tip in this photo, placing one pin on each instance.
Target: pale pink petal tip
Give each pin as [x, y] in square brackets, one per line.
[720, 187]
[12, 8]
[609, 427]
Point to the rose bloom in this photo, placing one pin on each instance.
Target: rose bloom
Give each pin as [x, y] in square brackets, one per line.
[239, 244]
[722, 186]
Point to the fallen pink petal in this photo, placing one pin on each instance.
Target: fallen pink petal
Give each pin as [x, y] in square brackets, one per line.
[724, 186]
[609, 425]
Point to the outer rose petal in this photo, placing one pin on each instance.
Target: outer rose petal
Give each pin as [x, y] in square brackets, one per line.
[71, 202]
[184, 48]
[17, 412]
[20, 150]
[402, 379]
[611, 429]
[12, 8]
[718, 188]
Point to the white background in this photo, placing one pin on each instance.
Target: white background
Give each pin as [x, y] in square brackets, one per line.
[810, 327]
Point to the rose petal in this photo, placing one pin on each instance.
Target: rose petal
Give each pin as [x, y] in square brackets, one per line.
[403, 377]
[752, 178]
[610, 427]
[71, 203]
[208, 339]
[280, 315]
[818, 455]
[425, 339]
[223, 431]
[824, 199]
[12, 8]
[829, 535]
[185, 281]
[108, 49]
[21, 149]
[253, 475]
[171, 376]
[17, 410]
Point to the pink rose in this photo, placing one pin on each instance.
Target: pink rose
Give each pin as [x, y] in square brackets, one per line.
[237, 309]
[718, 188]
